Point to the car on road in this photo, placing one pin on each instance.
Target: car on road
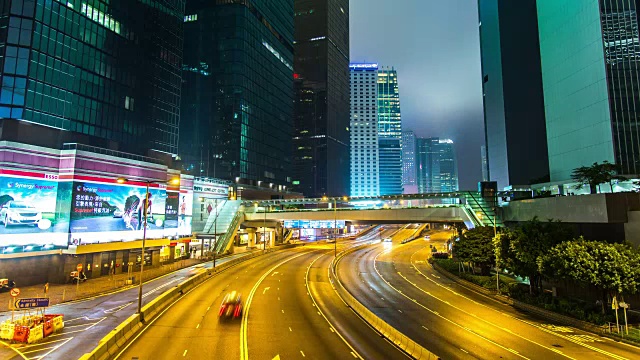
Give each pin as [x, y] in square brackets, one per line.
[196, 269]
[19, 213]
[231, 306]
[427, 238]
[6, 285]
[386, 240]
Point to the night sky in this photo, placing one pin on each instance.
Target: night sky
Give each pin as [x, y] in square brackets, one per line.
[434, 46]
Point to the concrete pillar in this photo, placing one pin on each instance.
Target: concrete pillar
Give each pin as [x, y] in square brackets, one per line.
[252, 238]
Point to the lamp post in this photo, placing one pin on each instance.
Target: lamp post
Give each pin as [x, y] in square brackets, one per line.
[495, 235]
[264, 227]
[335, 223]
[145, 205]
[215, 235]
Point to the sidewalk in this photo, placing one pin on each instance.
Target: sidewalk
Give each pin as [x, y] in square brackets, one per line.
[59, 293]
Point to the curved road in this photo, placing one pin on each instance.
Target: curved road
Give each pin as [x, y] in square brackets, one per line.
[290, 311]
[395, 282]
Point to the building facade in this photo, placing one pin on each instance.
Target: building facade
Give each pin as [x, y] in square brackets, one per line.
[321, 116]
[436, 165]
[238, 91]
[389, 132]
[590, 84]
[364, 130]
[484, 163]
[409, 183]
[94, 70]
[514, 118]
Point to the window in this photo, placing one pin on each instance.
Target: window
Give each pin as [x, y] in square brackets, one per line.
[128, 103]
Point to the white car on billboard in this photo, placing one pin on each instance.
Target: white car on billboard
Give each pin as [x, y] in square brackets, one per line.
[19, 213]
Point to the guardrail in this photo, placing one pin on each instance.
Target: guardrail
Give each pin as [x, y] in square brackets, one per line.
[114, 342]
[403, 342]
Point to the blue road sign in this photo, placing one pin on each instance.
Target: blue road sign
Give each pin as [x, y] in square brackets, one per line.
[32, 303]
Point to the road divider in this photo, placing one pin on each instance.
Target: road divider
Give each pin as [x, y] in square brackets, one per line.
[397, 338]
[113, 343]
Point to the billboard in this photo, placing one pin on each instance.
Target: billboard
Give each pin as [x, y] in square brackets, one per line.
[115, 212]
[28, 214]
[313, 224]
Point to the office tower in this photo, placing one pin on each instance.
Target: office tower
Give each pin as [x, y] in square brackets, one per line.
[484, 164]
[389, 132]
[364, 130]
[409, 162]
[238, 90]
[321, 120]
[93, 72]
[516, 139]
[590, 70]
[437, 167]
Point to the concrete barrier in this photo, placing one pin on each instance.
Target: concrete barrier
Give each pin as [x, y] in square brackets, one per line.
[116, 340]
[401, 341]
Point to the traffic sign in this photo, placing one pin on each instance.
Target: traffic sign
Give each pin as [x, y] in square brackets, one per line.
[32, 303]
[614, 304]
[15, 292]
[79, 267]
[624, 305]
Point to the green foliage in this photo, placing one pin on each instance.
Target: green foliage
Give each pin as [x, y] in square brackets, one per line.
[476, 246]
[520, 248]
[610, 267]
[596, 174]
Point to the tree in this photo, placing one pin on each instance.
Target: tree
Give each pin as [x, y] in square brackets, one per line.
[595, 175]
[612, 268]
[476, 246]
[521, 247]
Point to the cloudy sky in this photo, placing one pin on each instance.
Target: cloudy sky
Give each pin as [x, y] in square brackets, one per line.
[434, 46]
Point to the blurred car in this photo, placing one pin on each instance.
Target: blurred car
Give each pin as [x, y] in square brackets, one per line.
[387, 240]
[231, 306]
[427, 238]
[117, 213]
[19, 213]
[6, 285]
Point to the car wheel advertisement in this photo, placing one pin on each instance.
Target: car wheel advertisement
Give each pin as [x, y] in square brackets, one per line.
[28, 212]
[109, 212]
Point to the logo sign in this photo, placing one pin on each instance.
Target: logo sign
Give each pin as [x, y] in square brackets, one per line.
[364, 66]
[32, 303]
[15, 292]
[79, 267]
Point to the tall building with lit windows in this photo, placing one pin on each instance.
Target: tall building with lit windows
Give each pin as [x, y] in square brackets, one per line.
[389, 132]
[590, 57]
[321, 120]
[91, 71]
[237, 107]
[364, 130]
[437, 166]
[409, 183]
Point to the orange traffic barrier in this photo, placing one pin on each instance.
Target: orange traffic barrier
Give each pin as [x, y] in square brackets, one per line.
[48, 328]
[21, 334]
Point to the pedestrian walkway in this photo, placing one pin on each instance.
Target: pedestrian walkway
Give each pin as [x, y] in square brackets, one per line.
[59, 293]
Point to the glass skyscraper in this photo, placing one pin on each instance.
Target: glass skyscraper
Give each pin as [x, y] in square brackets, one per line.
[321, 120]
[364, 130]
[437, 166]
[409, 162]
[514, 119]
[590, 53]
[97, 71]
[238, 90]
[389, 132]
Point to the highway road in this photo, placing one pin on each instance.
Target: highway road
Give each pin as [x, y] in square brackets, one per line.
[396, 282]
[89, 320]
[290, 312]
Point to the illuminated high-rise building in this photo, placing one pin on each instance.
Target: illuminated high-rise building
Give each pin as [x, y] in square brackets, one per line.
[409, 183]
[321, 112]
[389, 132]
[238, 90]
[364, 130]
[437, 166]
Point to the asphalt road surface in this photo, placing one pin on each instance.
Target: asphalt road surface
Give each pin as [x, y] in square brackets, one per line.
[88, 321]
[290, 312]
[396, 282]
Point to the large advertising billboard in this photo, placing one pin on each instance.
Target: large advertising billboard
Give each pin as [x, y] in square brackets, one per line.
[28, 215]
[115, 212]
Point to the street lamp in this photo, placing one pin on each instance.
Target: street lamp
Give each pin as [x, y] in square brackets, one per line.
[335, 223]
[145, 205]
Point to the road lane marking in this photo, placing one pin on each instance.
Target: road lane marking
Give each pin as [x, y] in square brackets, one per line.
[290, 329]
[332, 330]
[52, 350]
[265, 290]
[184, 353]
[354, 355]
[198, 326]
[303, 355]
[244, 349]
[465, 351]
[425, 328]
[283, 311]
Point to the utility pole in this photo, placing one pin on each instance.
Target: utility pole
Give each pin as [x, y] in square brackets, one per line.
[215, 235]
